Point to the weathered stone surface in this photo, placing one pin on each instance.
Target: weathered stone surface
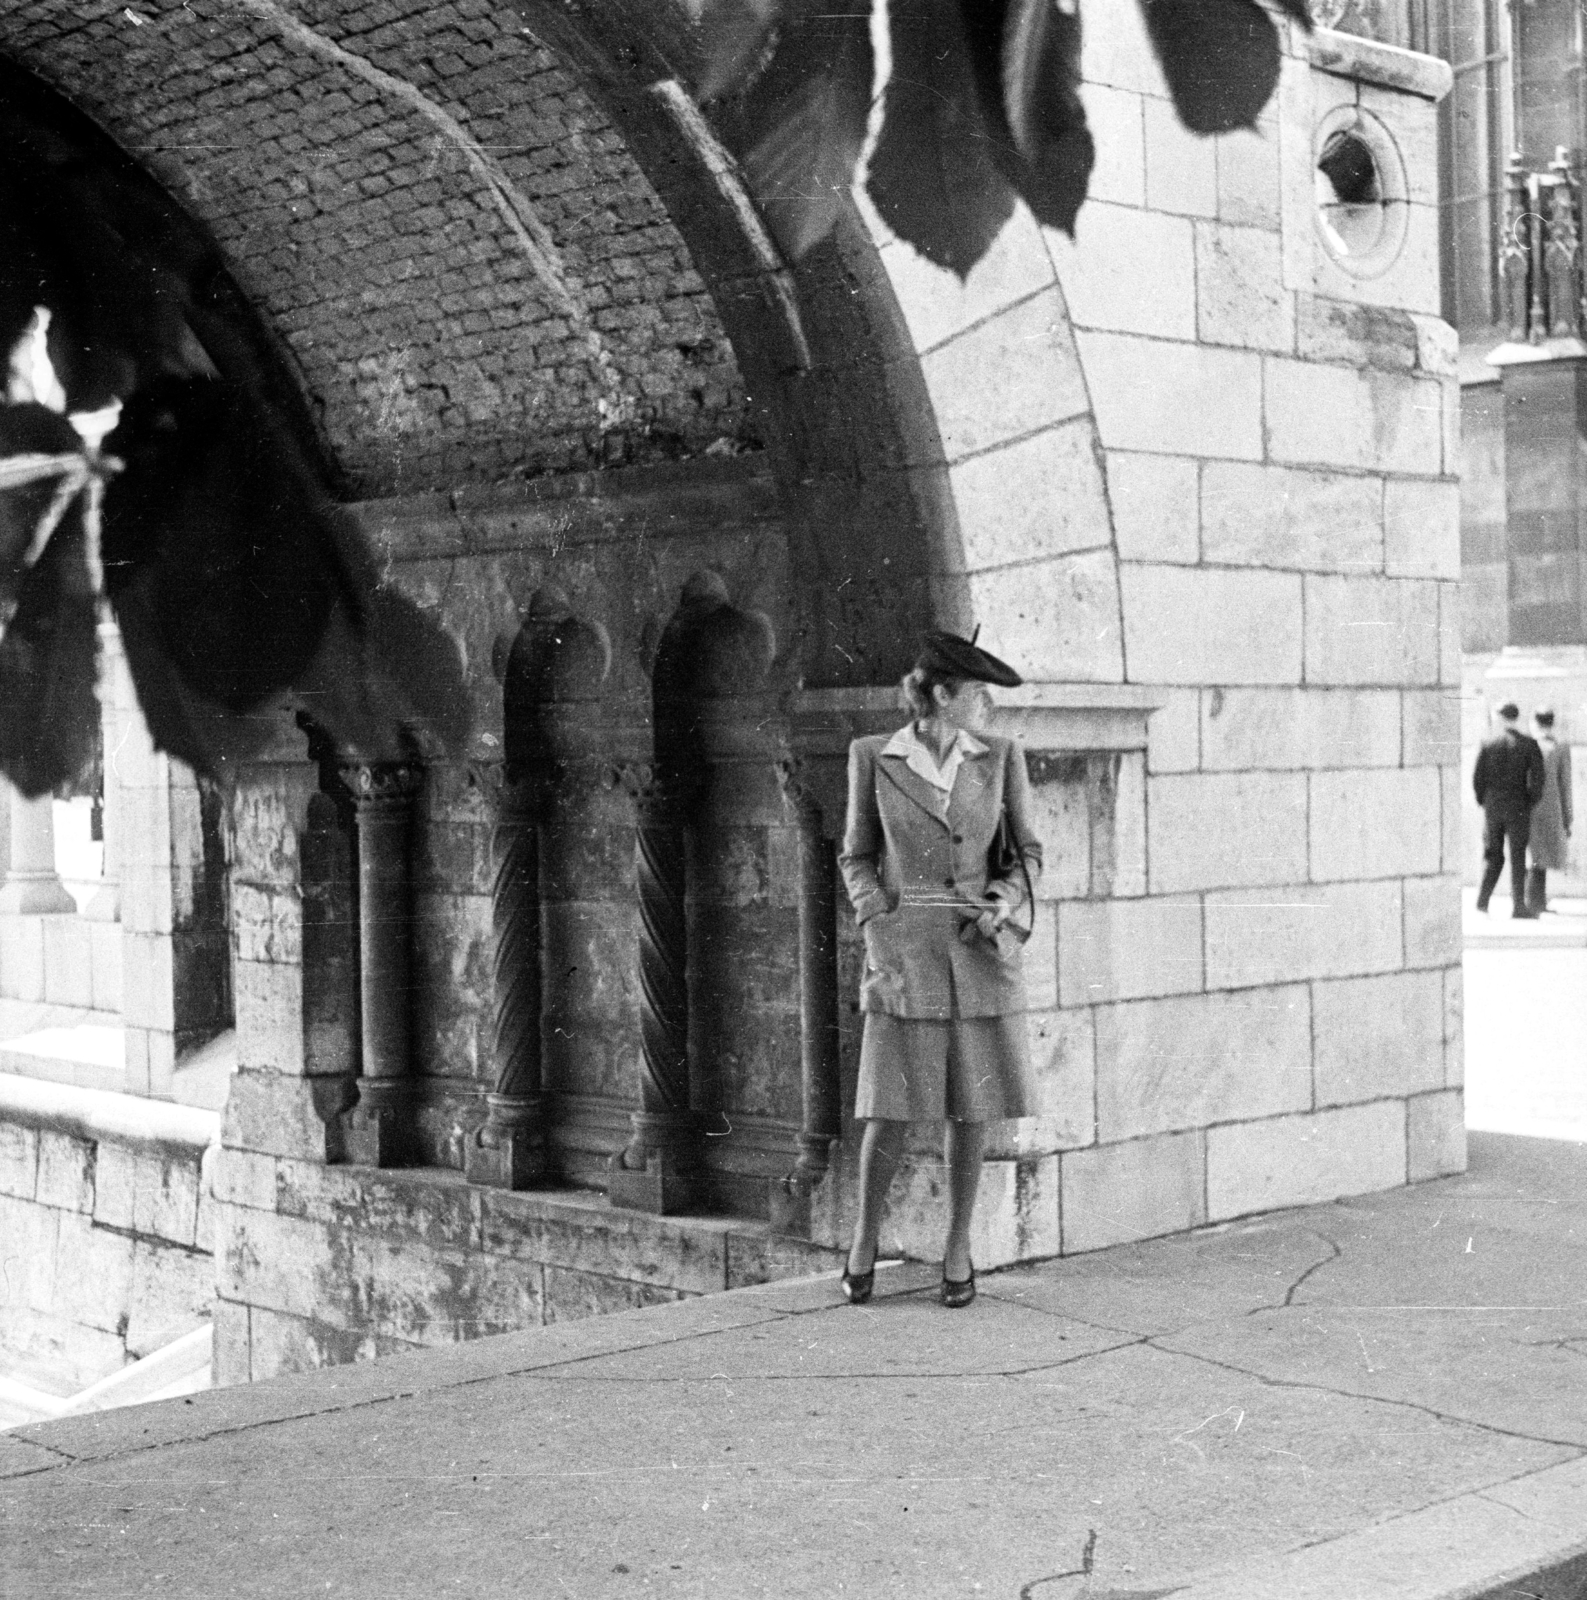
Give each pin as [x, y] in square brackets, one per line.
[1436, 1135]
[19, 1160]
[1175, 733]
[1431, 722]
[1181, 167]
[1063, 1054]
[937, 304]
[22, 956]
[1352, 417]
[1354, 335]
[1211, 626]
[68, 962]
[1432, 922]
[280, 1344]
[762, 1257]
[1297, 1161]
[1372, 630]
[273, 1114]
[592, 1237]
[1154, 506]
[1240, 294]
[1060, 811]
[1378, 1036]
[1016, 1211]
[1010, 375]
[571, 1295]
[1118, 841]
[1059, 618]
[1217, 830]
[424, 1208]
[1421, 528]
[1375, 823]
[1453, 787]
[1119, 1192]
[1041, 495]
[30, 1232]
[172, 1291]
[1284, 517]
[1299, 728]
[229, 1354]
[66, 1172]
[93, 1276]
[1248, 176]
[1454, 1031]
[1257, 936]
[165, 1199]
[1104, 271]
[1128, 949]
[1184, 399]
[1169, 1065]
[1114, 117]
[452, 1009]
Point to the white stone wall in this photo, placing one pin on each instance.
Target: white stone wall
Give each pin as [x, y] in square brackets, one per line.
[1193, 451]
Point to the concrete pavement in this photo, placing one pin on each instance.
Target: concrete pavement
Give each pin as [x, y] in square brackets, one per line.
[1380, 1397]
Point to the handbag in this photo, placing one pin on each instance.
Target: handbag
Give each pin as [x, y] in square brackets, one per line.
[1004, 859]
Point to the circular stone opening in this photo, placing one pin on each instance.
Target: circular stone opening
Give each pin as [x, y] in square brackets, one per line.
[1360, 192]
[1350, 198]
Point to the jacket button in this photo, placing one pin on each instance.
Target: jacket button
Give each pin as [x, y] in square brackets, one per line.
[958, 838]
[947, 883]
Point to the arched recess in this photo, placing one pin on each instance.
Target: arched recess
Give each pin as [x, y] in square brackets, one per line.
[491, 248]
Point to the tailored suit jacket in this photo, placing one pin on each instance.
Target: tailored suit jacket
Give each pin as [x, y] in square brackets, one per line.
[914, 861]
[1508, 777]
[1549, 841]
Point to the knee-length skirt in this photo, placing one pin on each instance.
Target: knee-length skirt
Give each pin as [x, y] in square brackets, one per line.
[969, 1069]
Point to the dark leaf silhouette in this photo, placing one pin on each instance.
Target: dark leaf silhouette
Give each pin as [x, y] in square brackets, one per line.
[934, 175]
[1220, 57]
[236, 580]
[1037, 98]
[800, 129]
[736, 41]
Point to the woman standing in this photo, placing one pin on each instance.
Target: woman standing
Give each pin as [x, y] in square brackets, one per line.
[938, 855]
[1548, 844]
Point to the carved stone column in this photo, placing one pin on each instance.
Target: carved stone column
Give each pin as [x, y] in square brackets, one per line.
[32, 884]
[380, 1128]
[509, 1150]
[656, 1172]
[818, 1003]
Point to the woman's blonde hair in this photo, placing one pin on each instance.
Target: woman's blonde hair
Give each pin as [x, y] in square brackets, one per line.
[917, 686]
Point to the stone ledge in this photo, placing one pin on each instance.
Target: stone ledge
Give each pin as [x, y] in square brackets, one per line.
[99, 1114]
[1388, 66]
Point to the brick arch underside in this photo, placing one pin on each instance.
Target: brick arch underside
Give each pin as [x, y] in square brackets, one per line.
[489, 255]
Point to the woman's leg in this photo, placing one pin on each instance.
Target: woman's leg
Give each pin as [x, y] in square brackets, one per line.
[880, 1149]
[963, 1146]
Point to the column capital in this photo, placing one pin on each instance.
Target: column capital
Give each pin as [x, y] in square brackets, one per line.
[381, 781]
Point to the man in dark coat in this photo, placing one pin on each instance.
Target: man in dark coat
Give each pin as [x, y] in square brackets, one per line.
[1508, 780]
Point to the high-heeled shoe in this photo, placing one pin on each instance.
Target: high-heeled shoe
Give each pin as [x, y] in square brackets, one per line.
[958, 1292]
[857, 1286]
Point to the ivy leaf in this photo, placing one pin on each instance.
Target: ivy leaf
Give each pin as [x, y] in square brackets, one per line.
[1220, 57]
[934, 175]
[735, 39]
[800, 129]
[1039, 100]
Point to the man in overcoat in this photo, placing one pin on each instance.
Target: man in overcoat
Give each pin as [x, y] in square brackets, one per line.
[1549, 845]
[1508, 782]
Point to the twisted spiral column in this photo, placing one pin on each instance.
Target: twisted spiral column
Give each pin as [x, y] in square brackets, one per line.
[508, 1152]
[655, 1171]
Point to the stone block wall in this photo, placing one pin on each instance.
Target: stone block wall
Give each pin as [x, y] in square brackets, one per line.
[1268, 1012]
[105, 1227]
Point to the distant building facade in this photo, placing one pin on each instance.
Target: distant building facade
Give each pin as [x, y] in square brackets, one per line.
[1512, 142]
[569, 1026]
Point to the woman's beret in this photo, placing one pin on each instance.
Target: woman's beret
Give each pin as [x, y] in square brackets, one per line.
[946, 655]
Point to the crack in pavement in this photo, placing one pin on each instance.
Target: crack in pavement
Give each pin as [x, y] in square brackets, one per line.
[1575, 1445]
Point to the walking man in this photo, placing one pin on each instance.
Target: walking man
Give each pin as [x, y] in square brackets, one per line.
[1508, 780]
[1549, 845]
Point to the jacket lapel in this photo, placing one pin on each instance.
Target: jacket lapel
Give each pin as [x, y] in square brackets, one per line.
[927, 796]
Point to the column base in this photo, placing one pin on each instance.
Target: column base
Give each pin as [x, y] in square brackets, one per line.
[515, 1158]
[378, 1136]
[29, 896]
[653, 1189]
